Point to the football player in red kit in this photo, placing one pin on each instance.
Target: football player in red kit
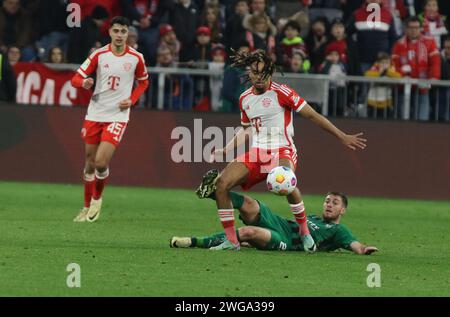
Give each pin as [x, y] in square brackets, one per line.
[117, 66]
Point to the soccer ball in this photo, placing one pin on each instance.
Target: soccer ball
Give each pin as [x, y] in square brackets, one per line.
[281, 181]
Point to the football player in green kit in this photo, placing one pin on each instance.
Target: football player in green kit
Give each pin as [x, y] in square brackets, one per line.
[267, 231]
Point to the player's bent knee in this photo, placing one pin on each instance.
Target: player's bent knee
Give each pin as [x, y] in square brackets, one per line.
[222, 185]
[101, 165]
[247, 233]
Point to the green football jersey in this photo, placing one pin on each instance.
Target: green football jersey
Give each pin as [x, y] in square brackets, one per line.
[329, 236]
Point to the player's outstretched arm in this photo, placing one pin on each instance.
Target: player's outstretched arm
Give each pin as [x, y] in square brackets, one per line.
[352, 141]
[360, 248]
[79, 82]
[239, 138]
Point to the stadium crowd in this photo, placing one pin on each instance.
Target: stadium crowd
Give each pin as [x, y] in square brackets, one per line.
[302, 36]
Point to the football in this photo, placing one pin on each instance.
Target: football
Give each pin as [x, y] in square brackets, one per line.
[281, 181]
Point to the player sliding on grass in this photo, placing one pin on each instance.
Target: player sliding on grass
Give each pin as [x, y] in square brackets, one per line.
[268, 108]
[117, 66]
[266, 231]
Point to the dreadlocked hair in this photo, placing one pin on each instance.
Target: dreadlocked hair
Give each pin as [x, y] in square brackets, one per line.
[244, 60]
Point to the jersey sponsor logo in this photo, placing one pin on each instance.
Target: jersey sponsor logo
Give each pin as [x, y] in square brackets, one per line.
[266, 102]
[246, 107]
[106, 66]
[127, 66]
[86, 64]
[113, 82]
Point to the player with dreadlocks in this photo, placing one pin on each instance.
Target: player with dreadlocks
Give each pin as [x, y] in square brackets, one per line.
[267, 107]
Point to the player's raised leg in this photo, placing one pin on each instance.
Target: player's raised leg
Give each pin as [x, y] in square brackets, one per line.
[295, 200]
[234, 174]
[88, 180]
[103, 156]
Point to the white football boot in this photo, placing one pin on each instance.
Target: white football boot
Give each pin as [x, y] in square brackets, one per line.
[82, 215]
[94, 210]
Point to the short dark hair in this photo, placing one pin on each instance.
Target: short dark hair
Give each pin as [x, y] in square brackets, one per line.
[292, 24]
[120, 20]
[412, 19]
[343, 197]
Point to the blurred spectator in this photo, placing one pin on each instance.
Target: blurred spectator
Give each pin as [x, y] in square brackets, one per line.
[216, 82]
[444, 92]
[178, 89]
[202, 55]
[82, 40]
[335, 67]
[260, 33]
[290, 42]
[316, 42]
[348, 47]
[16, 29]
[299, 64]
[301, 18]
[444, 5]
[417, 56]
[146, 16]
[350, 6]
[211, 19]
[433, 23]
[234, 30]
[380, 99]
[399, 12]
[52, 25]
[113, 7]
[185, 18]
[371, 37]
[232, 83]
[331, 4]
[446, 60]
[56, 56]
[14, 54]
[133, 38]
[169, 39]
[288, 8]
[8, 83]
[258, 6]
[202, 49]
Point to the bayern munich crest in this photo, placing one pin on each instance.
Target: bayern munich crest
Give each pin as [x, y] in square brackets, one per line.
[266, 102]
[127, 66]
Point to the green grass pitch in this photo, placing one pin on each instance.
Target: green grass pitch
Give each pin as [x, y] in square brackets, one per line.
[126, 253]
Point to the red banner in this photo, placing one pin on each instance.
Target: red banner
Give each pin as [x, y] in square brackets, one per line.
[38, 84]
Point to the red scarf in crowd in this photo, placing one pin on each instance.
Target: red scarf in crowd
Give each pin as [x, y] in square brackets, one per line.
[415, 53]
[428, 18]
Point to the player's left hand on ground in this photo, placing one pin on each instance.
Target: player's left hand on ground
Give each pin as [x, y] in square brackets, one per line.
[126, 104]
[354, 141]
[370, 250]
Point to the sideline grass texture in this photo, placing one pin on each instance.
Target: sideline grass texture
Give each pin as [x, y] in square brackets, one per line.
[126, 253]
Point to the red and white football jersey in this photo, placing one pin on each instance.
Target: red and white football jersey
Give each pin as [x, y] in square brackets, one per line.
[114, 83]
[270, 115]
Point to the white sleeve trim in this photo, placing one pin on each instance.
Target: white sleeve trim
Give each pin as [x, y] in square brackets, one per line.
[245, 124]
[302, 106]
[80, 71]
